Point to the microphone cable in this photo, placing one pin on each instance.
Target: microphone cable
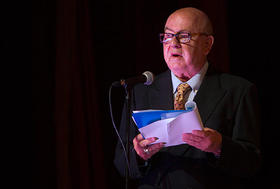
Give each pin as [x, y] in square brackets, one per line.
[116, 130]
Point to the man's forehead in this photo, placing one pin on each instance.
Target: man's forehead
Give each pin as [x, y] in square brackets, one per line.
[178, 23]
[175, 31]
[190, 20]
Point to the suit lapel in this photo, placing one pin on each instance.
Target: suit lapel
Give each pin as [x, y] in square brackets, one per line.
[209, 95]
[207, 98]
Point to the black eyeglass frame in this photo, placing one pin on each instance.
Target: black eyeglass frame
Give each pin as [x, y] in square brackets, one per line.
[178, 37]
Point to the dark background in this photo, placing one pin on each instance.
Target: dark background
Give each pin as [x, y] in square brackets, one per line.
[80, 47]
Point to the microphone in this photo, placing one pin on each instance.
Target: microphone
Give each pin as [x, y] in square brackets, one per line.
[147, 78]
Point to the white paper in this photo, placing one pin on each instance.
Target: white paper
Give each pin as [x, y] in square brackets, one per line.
[183, 123]
[170, 130]
[157, 129]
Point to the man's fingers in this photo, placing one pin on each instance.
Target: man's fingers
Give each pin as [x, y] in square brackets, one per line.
[140, 144]
[151, 150]
[191, 137]
[147, 141]
[144, 148]
[140, 141]
[207, 140]
[199, 133]
[139, 137]
[156, 147]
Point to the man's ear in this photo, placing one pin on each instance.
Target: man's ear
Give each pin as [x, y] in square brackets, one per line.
[208, 44]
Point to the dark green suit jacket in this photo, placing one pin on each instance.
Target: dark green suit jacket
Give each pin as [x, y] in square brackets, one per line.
[227, 104]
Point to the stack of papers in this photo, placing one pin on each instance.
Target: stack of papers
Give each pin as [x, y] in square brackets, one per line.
[168, 125]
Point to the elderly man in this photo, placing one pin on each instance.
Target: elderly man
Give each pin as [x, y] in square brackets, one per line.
[227, 149]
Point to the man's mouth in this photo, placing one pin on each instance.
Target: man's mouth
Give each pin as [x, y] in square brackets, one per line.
[176, 55]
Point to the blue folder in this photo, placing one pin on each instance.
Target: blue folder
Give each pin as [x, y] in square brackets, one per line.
[146, 117]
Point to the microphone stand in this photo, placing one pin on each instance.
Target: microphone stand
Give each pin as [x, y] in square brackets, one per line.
[148, 78]
[128, 90]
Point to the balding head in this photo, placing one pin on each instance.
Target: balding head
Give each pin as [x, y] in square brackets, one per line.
[192, 18]
[186, 59]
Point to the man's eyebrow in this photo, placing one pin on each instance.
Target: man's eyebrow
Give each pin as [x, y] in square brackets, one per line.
[166, 28]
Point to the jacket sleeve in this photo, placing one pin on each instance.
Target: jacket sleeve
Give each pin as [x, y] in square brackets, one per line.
[240, 153]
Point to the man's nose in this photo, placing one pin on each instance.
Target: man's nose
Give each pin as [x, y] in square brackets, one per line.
[175, 42]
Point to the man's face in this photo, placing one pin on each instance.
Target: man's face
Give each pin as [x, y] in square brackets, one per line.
[184, 60]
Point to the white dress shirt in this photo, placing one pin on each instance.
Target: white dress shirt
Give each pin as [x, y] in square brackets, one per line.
[193, 82]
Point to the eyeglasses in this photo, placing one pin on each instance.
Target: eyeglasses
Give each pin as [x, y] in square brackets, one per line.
[183, 38]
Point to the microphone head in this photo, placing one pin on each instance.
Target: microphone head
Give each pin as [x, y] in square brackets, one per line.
[116, 84]
[150, 77]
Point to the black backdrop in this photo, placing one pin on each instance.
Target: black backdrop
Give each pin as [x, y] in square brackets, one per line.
[81, 47]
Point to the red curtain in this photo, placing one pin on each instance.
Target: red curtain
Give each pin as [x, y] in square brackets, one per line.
[80, 47]
[78, 125]
[85, 46]
[79, 149]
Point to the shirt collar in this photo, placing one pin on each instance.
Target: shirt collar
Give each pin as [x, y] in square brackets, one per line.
[194, 82]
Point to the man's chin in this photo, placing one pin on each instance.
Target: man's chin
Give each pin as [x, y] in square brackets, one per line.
[178, 71]
[176, 66]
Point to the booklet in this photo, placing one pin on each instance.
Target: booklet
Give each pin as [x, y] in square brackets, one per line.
[168, 125]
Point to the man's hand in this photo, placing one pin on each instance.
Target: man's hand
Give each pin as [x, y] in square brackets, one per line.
[207, 140]
[144, 148]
